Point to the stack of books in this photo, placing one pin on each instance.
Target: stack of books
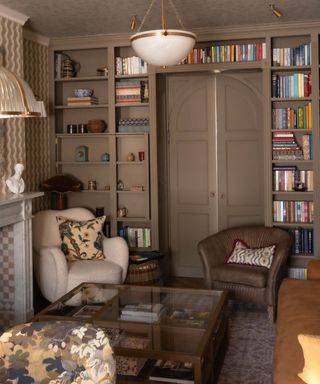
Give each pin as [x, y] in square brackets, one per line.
[230, 53]
[286, 57]
[147, 313]
[130, 66]
[292, 118]
[172, 372]
[285, 147]
[81, 101]
[131, 91]
[136, 237]
[293, 85]
[302, 241]
[134, 125]
[288, 178]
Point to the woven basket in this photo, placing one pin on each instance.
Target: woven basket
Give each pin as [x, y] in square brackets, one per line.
[145, 273]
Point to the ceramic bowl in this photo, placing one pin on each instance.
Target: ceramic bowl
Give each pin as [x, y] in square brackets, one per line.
[83, 92]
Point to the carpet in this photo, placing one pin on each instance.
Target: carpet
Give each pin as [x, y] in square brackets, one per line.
[249, 355]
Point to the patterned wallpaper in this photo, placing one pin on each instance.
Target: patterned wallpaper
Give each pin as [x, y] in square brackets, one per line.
[12, 133]
[36, 73]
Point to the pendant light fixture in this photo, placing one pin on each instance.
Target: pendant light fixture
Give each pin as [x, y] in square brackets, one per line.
[16, 97]
[163, 47]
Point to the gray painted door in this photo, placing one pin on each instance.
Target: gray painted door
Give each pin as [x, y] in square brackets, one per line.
[215, 160]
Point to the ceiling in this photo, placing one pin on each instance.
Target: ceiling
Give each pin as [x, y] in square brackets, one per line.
[61, 18]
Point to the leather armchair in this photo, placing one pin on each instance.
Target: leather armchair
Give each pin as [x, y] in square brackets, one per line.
[244, 282]
[54, 274]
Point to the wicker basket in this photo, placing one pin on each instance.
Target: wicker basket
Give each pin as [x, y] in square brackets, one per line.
[145, 273]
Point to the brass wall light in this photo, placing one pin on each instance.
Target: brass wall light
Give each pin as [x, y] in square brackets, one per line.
[16, 97]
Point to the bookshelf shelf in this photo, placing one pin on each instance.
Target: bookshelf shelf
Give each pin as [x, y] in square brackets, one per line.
[282, 99]
[132, 105]
[82, 163]
[84, 78]
[291, 68]
[81, 106]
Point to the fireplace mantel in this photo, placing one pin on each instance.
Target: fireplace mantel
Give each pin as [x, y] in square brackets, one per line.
[16, 295]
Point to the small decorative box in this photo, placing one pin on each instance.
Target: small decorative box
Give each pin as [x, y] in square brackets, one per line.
[82, 153]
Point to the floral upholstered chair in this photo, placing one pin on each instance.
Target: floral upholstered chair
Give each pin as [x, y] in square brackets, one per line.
[59, 352]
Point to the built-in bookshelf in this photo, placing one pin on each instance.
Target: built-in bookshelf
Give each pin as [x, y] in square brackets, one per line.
[293, 145]
[113, 165]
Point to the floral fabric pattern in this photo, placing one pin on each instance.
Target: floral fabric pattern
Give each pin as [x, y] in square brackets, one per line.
[81, 240]
[60, 352]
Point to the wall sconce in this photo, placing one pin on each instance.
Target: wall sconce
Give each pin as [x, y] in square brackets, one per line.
[275, 11]
[16, 97]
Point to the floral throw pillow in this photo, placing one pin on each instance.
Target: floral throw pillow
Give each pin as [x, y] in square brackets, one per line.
[81, 240]
[242, 254]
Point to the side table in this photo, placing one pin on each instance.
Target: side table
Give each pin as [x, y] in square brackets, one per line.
[144, 268]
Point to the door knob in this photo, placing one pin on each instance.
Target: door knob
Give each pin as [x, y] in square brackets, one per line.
[222, 196]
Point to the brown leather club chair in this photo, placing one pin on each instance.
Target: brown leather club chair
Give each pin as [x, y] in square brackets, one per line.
[245, 282]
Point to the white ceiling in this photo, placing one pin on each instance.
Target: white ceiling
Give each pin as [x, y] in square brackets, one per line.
[59, 18]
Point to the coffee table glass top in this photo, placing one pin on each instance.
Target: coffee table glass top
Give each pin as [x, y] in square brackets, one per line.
[146, 318]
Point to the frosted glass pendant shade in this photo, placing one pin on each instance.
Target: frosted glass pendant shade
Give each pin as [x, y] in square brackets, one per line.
[16, 97]
[163, 47]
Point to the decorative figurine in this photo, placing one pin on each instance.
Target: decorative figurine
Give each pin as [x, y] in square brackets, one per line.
[16, 183]
[105, 156]
[130, 156]
[120, 185]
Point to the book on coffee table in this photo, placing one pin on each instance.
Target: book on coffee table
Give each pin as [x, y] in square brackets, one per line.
[172, 372]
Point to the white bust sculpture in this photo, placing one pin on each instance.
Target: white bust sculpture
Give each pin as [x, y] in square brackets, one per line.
[15, 183]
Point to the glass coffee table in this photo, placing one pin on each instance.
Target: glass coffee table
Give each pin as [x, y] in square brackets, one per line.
[157, 333]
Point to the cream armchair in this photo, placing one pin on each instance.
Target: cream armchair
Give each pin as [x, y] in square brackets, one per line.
[54, 274]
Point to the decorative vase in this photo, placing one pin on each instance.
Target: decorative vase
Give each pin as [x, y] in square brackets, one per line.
[96, 126]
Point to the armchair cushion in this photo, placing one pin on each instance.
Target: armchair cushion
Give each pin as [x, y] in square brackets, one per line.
[241, 274]
[98, 271]
[260, 257]
[81, 240]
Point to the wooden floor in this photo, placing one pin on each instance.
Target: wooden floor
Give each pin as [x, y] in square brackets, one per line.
[185, 282]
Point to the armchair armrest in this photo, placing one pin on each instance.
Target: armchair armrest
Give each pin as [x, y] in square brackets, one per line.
[116, 249]
[313, 272]
[212, 253]
[51, 271]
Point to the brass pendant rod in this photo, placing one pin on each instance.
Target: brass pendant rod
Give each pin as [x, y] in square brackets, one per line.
[163, 15]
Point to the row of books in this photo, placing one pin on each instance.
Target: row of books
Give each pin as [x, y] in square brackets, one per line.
[133, 65]
[132, 91]
[288, 178]
[230, 53]
[80, 101]
[300, 55]
[284, 144]
[285, 211]
[297, 273]
[292, 118]
[291, 85]
[136, 237]
[148, 313]
[172, 372]
[302, 241]
[134, 125]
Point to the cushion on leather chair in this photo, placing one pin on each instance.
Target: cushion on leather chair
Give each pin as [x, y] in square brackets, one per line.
[241, 274]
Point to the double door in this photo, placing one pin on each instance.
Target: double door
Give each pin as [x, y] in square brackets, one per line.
[215, 158]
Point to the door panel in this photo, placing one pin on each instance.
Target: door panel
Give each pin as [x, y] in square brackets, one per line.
[191, 168]
[240, 150]
[215, 160]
